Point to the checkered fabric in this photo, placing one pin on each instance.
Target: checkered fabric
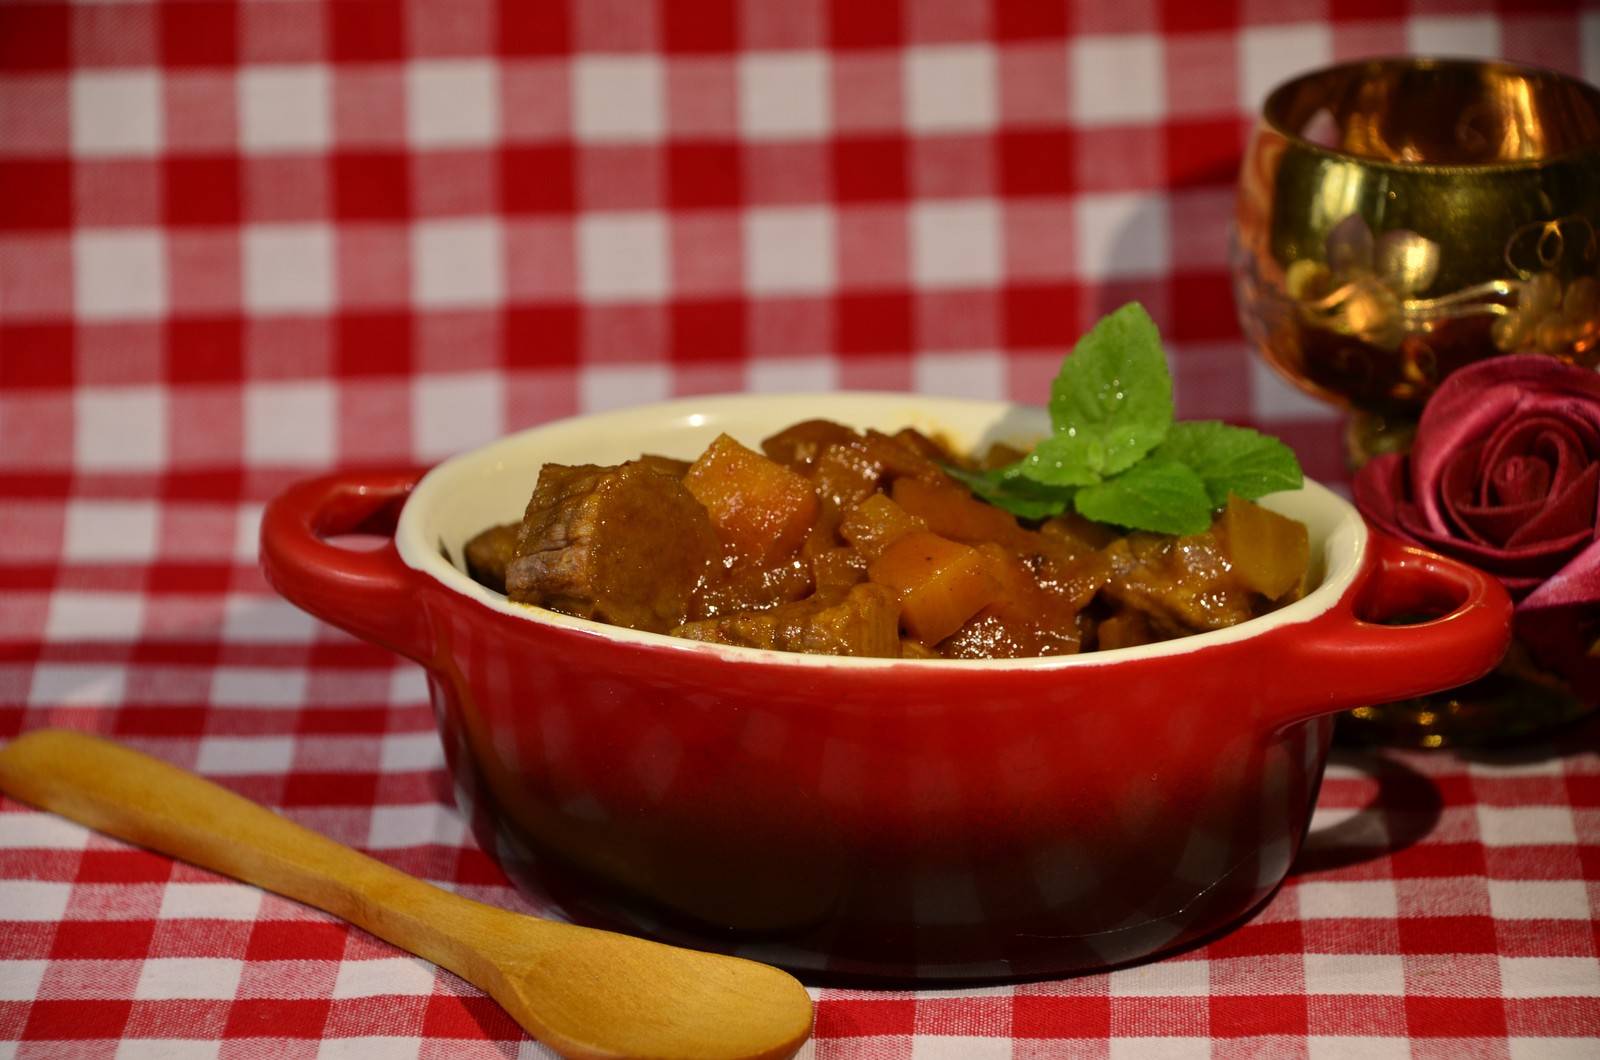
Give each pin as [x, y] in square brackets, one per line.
[243, 243]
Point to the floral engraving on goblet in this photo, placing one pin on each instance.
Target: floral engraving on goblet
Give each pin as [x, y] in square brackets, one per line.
[1368, 288]
[1550, 317]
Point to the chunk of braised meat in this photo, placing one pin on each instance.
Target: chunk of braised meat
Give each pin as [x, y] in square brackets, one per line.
[626, 545]
[864, 622]
[847, 473]
[751, 587]
[489, 554]
[932, 448]
[1124, 629]
[876, 523]
[1182, 585]
[994, 635]
[1000, 455]
[798, 447]
[1078, 534]
[667, 465]
[835, 570]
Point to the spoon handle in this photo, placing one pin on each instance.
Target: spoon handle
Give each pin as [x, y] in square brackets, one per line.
[140, 799]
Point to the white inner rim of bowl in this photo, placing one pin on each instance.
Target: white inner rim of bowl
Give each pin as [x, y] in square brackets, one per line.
[491, 485]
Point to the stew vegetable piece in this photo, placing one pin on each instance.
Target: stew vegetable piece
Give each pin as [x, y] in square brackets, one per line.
[835, 541]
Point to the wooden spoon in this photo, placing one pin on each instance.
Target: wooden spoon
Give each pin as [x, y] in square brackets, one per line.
[583, 992]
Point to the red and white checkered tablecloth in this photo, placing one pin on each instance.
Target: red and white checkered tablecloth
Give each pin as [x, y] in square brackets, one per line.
[243, 243]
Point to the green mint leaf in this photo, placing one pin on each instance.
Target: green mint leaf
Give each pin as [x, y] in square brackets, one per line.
[1007, 489]
[1155, 494]
[1061, 460]
[1232, 459]
[1112, 401]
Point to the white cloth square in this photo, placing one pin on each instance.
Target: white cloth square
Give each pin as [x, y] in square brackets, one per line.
[116, 112]
[1539, 900]
[248, 686]
[77, 685]
[452, 102]
[783, 95]
[789, 249]
[1502, 826]
[383, 977]
[34, 900]
[210, 901]
[1368, 899]
[1355, 973]
[289, 423]
[618, 98]
[1353, 1047]
[121, 429]
[284, 108]
[166, 978]
[955, 243]
[457, 262]
[1118, 79]
[20, 980]
[1459, 34]
[792, 375]
[622, 256]
[99, 531]
[950, 88]
[1122, 235]
[288, 268]
[1549, 977]
[617, 386]
[454, 413]
[974, 374]
[242, 755]
[77, 615]
[119, 273]
[1270, 55]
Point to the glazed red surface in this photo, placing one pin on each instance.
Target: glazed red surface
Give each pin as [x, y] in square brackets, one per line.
[894, 820]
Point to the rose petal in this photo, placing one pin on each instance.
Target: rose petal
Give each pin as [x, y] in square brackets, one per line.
[1561, 618]
[1494, 527]
[1564, 446]
[1569, 509]
[1519, 482]
[1461, 490]
[1575, 585]
[1458, 488]
[1564, 515]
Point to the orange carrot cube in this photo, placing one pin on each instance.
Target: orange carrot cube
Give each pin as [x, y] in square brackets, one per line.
[941, 583]
[760, 508]
[952, 512]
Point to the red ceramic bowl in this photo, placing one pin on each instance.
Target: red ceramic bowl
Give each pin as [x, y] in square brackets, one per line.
[873, 817]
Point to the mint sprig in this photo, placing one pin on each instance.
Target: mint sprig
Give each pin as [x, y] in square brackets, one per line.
[1115, 454]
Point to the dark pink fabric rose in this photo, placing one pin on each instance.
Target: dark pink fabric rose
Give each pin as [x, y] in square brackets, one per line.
[1505, 475]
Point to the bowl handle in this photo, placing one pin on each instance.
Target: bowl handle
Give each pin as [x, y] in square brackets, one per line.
[372, 594]
[1353, 661]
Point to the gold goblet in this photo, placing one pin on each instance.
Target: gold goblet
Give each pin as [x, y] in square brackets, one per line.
[1396, 220]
